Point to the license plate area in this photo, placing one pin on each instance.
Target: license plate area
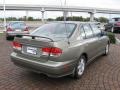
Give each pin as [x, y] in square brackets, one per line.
[31, 50]
[18, 30]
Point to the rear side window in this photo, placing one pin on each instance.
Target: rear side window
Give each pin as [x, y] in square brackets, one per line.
[88, 31]
[96, 30]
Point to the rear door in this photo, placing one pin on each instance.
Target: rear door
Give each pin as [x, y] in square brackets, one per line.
[90, 41]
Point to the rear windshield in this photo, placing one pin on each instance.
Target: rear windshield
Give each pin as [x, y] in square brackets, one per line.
[17, 24]
[114, 20]
[117, 19]
[55, 30]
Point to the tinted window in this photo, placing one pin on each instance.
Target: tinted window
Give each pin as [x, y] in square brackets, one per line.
[88, 31]
[96, 30]
[116, 19]
[17, 24]
[55, 30]
[82, 32]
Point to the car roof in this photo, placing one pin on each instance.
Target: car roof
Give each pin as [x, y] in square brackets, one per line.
[75, 22]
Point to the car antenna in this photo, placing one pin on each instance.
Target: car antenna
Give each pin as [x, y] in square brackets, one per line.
[65, 21]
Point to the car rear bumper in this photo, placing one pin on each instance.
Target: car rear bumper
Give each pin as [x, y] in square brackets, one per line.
[50, 68]
[117, 29]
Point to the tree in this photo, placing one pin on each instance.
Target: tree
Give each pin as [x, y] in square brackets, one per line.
[30, 18]
[103, 19]
[59, 18]
[11, 19]
[50, 19]
[86, 19]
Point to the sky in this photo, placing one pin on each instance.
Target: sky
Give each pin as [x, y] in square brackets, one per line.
[113, 4]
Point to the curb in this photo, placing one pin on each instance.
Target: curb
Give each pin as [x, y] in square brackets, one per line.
[117, 41]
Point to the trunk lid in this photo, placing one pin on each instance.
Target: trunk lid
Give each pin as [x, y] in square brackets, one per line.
[32, 47]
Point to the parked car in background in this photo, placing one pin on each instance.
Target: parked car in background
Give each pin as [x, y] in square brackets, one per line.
[14, 28]
[1, 25]
[113, 25]
[58, 49]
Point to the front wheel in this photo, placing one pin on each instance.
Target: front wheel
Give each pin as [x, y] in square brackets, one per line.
[80, 68]
[107, 49]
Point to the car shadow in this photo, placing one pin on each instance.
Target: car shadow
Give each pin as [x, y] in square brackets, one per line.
[62, 80]
[37, 79]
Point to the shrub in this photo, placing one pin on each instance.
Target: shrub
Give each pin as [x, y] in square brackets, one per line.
[111, 37]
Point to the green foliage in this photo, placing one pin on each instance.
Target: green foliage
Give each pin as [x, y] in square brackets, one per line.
[73, 18]
[103, 19]
[11, 18]
[87, 19]
[30, 18]
[50, 19]
[111, 37]
[76, 18]
[59, 19]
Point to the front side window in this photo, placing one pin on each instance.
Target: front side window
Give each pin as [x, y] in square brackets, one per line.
[96, 30]
[88, 31]
[55, 30]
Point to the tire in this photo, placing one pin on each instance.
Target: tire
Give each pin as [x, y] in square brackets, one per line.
[106, 50]
[80, 68]
[7, 38]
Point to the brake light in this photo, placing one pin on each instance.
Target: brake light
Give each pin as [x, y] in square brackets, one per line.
[17, 45]
[52, 51]
[9, 29]
[117, 24]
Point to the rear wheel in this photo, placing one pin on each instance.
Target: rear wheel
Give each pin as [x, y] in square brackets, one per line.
[80, 68]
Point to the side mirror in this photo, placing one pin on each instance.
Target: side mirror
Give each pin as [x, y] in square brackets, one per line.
[101, 28]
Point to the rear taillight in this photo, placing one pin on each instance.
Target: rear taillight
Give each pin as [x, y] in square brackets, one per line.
[117, 24]
[52, 51]
[17, 45]
[9, 29]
